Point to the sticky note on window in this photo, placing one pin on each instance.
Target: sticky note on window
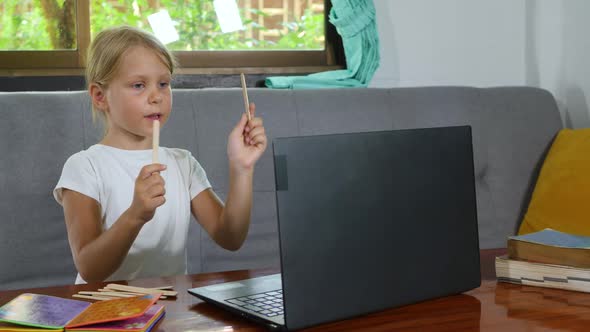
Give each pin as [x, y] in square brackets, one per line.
[228, 15]
[163, 27]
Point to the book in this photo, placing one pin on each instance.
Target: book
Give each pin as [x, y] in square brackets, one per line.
[551, 247]
[542, 275]
[37, 312]
[143, 323]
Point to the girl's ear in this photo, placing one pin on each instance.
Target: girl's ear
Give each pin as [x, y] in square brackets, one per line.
[98, 96]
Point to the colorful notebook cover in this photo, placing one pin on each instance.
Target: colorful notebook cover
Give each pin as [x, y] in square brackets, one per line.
[42, 311]
[51, 312]
[143, 323]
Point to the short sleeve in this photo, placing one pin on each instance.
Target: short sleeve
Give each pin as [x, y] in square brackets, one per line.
[198, 178]
[78, 175]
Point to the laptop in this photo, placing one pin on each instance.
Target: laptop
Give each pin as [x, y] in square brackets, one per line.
[367, 221]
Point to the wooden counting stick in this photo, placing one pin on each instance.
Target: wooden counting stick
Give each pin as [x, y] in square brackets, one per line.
[245, 94]
[129, 294]
[91, 297]
[163, 287]
[141, 290]
[107, 294]
[155, 141]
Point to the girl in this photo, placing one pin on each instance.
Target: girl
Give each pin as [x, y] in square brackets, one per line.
[126, 217]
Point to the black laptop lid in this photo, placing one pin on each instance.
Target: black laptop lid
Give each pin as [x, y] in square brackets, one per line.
[369, 221]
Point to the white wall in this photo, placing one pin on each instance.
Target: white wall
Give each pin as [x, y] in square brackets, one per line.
[450, 42]
[573, 83]
[543, 43]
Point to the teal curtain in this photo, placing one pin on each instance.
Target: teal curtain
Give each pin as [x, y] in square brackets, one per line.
[355, 22]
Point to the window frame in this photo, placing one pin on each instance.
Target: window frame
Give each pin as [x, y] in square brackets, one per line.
[68, 62]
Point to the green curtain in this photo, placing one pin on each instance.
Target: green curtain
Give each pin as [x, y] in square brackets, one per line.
[355, 22]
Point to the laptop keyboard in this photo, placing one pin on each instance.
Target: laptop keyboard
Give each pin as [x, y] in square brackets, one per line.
[269, 304]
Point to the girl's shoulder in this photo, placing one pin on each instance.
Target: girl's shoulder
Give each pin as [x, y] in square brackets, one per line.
[81, 156]
[91, 157]
[92, 153]
[179, 154]
[185, 160]
[80, 162]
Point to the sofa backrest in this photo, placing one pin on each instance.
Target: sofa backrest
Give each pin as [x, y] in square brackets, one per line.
[512, 129]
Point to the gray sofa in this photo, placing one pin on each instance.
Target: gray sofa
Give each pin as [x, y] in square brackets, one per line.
[512, 129]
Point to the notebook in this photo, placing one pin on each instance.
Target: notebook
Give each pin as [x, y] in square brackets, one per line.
[367, 221]
[43, 312]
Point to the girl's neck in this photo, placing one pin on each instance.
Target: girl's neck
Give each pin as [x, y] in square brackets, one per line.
[127, 143]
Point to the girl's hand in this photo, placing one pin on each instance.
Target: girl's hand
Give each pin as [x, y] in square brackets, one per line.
[149, 192]
[246, 142]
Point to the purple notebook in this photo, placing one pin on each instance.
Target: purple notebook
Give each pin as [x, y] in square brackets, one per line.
[138, 313]
[41, 310]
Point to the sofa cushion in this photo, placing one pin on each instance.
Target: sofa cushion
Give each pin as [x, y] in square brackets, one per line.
[512, 128]
[39, 132]
[560, 198]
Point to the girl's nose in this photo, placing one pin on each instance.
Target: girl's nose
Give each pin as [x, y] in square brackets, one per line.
[155, 96]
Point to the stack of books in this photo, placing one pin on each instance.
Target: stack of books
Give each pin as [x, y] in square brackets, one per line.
[547, 259]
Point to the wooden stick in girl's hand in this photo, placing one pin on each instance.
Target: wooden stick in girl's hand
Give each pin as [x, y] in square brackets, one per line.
[156, 141]
[245, 94]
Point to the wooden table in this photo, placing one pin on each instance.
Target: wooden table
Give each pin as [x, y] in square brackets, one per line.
[491, 307]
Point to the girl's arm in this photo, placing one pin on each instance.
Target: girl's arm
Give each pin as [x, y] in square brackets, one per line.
[228, 225]
[97, 253]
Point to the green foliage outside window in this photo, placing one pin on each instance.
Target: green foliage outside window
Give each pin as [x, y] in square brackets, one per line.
[24, 25]
[49, 25]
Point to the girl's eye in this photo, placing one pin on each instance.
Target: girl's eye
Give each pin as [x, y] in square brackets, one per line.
[164, 84]
[138, 85]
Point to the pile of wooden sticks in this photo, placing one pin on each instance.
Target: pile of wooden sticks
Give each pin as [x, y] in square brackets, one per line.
[115, 291]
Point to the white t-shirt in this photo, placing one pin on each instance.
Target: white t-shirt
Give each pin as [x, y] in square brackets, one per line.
[108, 175]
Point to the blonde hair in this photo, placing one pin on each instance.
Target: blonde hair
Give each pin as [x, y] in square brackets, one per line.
[107, 49]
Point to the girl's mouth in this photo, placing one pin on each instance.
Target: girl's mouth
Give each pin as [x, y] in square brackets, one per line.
[154, 116]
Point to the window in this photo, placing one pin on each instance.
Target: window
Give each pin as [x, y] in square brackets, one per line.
[213, 34]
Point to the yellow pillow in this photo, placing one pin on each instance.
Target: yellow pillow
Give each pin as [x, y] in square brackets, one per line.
[561, 199]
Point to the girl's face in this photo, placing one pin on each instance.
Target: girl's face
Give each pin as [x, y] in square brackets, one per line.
[138, 94]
